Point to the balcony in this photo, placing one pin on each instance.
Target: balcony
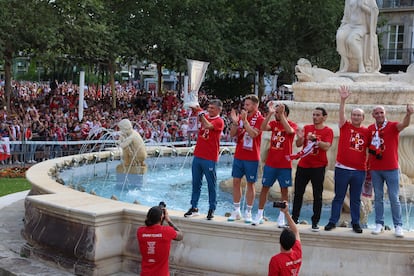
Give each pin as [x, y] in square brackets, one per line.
[397, 58]
[387, 4]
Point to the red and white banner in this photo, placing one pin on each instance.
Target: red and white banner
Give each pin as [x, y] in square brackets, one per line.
[4, 148]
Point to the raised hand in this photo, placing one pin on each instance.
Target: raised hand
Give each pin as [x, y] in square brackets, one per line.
[344, 92]
[234, 116]
[280, 108]
[243, 115]
[410, 109]
[272, 107]
[300, 133]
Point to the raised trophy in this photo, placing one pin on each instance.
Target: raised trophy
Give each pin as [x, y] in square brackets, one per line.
[196, 72]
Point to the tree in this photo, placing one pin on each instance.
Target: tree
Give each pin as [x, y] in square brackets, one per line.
[171, 31]
[297, 33]
[17, 38]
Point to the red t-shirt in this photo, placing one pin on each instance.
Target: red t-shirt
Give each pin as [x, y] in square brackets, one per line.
[208, 141]
[352, 146]
[389, 137]
[154, 244]
[280, 145]
[286, 264]
[248, 148]
[317, 158]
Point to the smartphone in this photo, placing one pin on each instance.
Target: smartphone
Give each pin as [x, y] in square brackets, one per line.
[279, 204]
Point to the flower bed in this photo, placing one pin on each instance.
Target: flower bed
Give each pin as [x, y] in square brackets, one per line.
[13, 172]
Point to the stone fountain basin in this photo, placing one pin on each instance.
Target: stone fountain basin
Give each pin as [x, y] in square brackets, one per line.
[90, 235]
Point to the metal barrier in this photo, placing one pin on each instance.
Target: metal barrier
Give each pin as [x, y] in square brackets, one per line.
[29, 152]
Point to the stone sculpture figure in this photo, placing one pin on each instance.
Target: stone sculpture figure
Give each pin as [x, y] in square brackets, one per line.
[356, 38]
[305, 72]
[133, 149]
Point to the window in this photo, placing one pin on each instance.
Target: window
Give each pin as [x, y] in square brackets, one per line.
[395, 42]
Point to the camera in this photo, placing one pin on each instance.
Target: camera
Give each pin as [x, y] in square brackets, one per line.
[279, 204]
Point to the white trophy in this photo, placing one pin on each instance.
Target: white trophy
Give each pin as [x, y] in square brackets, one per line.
[196, 71]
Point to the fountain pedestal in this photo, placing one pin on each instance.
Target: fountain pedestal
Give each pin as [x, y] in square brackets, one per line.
[132, 176]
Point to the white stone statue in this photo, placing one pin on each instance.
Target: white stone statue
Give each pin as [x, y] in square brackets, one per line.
[305, 72]
[356, 38]
[133, 149]
[404, 76]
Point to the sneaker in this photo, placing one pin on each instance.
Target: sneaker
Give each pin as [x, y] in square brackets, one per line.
[295, 220]
[281, 221]
[192, 212]
[399, 233]
[315, 227]
[378, 229]
[257, 220]
[235, 215]
[248, 217]
[330, 226]
[357, 228]
[210, 214]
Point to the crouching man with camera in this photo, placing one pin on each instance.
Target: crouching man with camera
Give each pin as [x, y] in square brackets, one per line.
[289, 260]
[154, 241]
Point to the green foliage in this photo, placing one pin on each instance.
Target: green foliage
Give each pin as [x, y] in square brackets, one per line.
[13, 185]
[225, 87]
[242, 35]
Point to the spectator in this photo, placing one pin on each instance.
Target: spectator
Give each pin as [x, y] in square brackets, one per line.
[289, 260]
[154, 242]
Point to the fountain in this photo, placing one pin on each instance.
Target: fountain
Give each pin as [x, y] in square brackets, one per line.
[90, 235]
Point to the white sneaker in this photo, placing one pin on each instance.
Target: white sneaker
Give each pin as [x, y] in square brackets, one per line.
[248, 217]
[399, 233]
[281, 221]
[235, 215]
[378, 229]
[257, 220]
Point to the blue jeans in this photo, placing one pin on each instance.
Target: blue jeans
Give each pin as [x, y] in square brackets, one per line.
[392, 179]
[199, 168]
[355, 180]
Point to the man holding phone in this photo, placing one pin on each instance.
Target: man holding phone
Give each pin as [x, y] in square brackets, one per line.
[289, 260]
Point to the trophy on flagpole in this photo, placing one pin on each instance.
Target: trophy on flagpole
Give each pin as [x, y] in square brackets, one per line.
[196, 72]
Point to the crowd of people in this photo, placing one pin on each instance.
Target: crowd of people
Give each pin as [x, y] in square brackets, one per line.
[49, 112]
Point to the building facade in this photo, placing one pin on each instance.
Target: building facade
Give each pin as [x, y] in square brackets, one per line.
[396, 34]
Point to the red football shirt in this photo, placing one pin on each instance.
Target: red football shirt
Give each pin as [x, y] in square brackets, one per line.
[352, 146]
[286, 264]
[389, 137]
[280, 145]
[317, 158]
[243, 149]
[208, 141]
[154, 244]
